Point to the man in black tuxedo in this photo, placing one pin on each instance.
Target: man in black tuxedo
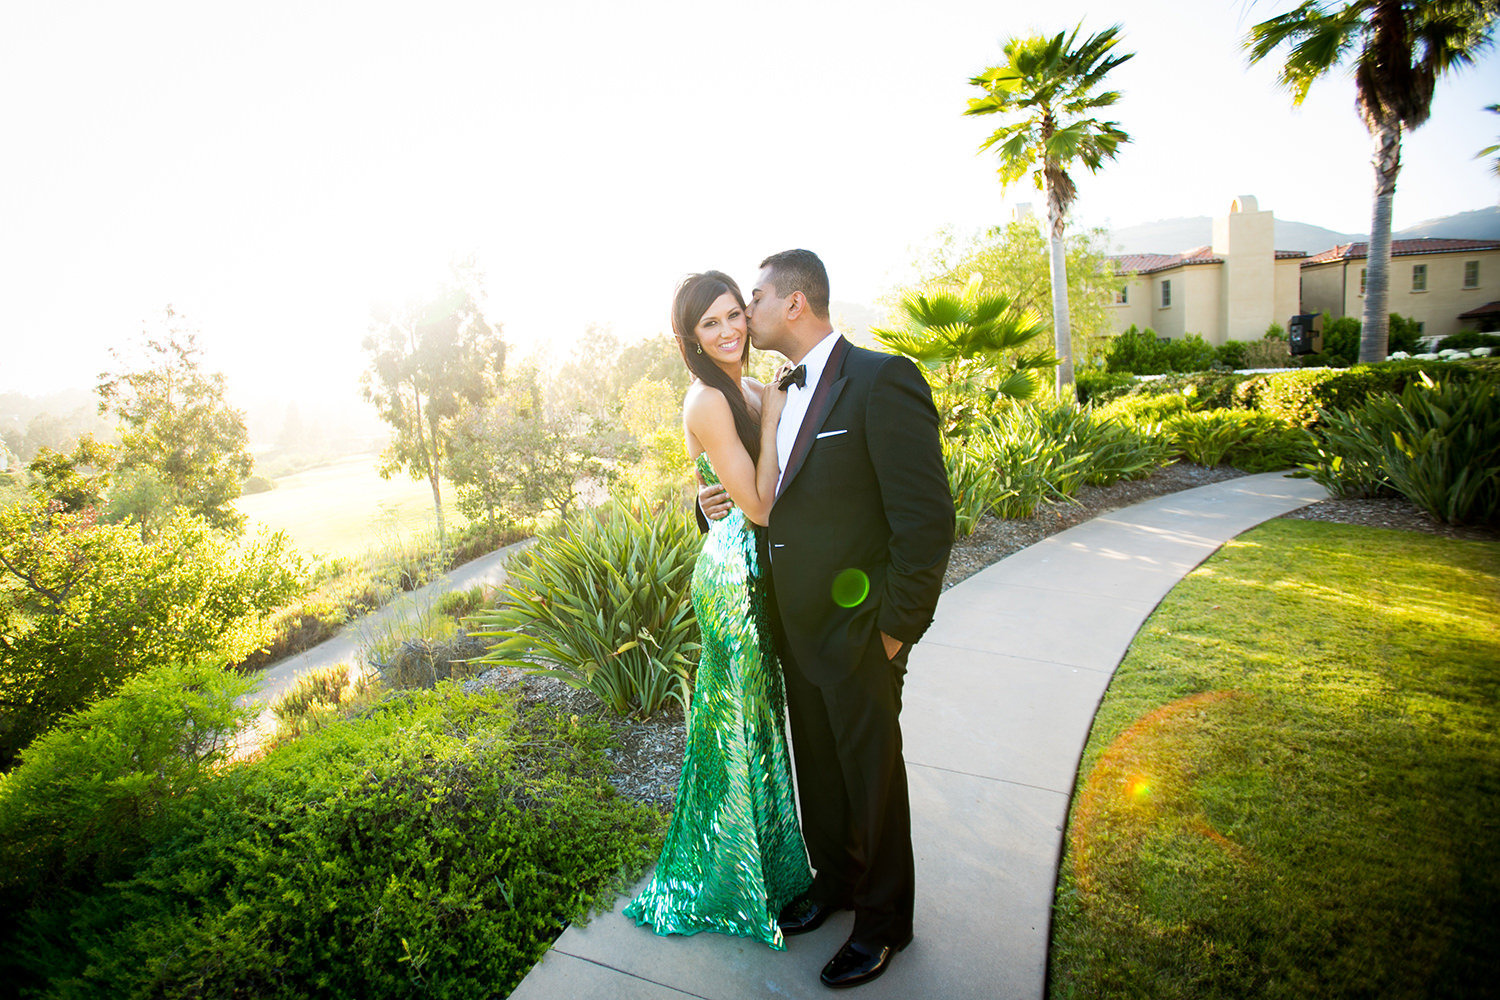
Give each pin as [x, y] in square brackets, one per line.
[858, 542]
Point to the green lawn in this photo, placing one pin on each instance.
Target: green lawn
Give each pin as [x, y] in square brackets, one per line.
[345, 508]
[1292, 787]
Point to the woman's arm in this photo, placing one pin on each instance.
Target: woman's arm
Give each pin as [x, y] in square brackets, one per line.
[751, 485]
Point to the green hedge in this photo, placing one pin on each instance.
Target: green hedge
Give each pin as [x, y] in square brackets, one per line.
[433, 847]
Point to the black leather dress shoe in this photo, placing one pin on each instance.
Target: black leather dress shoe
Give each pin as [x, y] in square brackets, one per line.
[802, 915]
[857, 964]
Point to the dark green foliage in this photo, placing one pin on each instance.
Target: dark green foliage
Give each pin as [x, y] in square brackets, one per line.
[1436, 444]
[1142, 352]
[97, 792]
[604, 604]
[432, 847]
[1255, 442]
[1027, 453]
[1231, 354]
[1341, 338]
[1096, 386]
[1465, 339]
[256, 484]
[84, 606]
[1298, 396]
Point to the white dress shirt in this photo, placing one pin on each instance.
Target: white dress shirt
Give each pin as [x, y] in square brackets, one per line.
[797, 400]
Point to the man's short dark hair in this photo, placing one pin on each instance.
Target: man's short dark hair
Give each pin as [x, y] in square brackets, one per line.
[800, 271]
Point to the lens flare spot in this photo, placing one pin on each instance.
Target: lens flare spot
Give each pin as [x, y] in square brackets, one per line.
[850, 588]
[1138, 788]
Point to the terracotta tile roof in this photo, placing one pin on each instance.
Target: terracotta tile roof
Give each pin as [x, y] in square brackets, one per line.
[1488, 309]
[1150, 263]
[1399, 248]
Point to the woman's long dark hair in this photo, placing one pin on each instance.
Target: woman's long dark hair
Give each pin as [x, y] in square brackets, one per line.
[696, 293]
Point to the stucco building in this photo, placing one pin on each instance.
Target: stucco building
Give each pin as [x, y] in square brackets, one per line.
[1232, 289]
[1446, 285]
[1240, 284]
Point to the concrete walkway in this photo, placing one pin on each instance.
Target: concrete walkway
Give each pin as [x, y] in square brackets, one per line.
[998, 704]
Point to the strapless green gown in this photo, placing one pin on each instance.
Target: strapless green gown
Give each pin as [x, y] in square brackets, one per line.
[734, 854]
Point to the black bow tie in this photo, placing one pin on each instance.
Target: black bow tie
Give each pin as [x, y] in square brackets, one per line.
[797, 376]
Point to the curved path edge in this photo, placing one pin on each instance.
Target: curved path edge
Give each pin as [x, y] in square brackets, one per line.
[344, 647]
[998, 704]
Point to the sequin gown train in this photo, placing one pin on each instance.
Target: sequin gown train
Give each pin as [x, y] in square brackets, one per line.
[734, 854]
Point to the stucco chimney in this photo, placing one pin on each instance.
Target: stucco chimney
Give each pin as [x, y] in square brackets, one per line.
[1246, 239]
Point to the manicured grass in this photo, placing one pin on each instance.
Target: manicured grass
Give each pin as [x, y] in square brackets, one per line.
[345, 508]
[1291, 787]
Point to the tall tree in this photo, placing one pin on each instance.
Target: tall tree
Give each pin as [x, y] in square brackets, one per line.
[1046, 88]
[176, 421]
[1396, 50]
[429, 362]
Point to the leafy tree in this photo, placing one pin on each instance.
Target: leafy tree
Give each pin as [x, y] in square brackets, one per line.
[652, 414]
[76, 481]
[1015, 261]
[968, 341]
[85, 606]
[1046, 89]
[429, 362]
[176, 421]
[1398, 50]
[516, 459]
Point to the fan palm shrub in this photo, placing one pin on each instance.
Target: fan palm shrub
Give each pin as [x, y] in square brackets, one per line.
[972, 345]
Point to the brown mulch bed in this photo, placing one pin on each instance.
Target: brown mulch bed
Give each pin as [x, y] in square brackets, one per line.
[649, 756]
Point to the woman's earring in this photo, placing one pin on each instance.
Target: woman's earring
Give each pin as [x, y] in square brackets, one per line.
[700, 348]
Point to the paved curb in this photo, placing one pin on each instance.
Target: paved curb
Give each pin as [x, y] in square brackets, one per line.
[999, 700]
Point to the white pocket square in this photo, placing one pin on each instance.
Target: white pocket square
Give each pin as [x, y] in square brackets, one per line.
[829, 434]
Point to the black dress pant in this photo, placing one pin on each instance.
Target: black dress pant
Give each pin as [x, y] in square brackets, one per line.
[851, 783]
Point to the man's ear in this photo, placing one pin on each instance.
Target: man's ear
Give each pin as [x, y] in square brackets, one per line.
[796, 305]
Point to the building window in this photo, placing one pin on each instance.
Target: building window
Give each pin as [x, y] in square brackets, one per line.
[1471, 274]
[1166, 293]
[1122, 295]
[1361, 281]
[1419, 277]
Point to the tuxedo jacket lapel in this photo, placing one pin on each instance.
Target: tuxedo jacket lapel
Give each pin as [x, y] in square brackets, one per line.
[830, 385]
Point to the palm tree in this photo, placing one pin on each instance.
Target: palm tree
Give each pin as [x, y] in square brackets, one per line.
[970, 344]
[1398, 49]
[1046, 85]
[1491, 150]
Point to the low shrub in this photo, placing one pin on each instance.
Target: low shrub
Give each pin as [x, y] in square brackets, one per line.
[1145, 409]
[605, 605]
[433, 846]
[1465, 339]
[1341, 338]
[970, 482]
[458, 603]
[1142, 352]
[1097, 387]
[256, 484]
[86, 606]
[1437, 444]
[319, 697]
[1255, 442]
[102, 788]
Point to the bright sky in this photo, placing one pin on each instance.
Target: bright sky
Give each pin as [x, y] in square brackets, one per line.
[273, 168]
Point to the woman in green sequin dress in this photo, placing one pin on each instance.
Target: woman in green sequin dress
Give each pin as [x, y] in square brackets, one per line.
[734, 854]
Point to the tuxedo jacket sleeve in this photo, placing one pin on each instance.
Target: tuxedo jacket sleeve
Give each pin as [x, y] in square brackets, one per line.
[906, 451]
